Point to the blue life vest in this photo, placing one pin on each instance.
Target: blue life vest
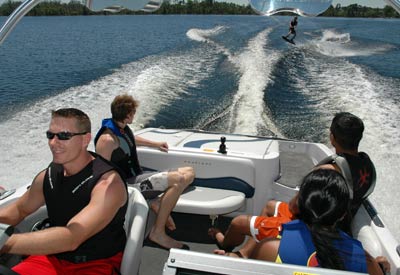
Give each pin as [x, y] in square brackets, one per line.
[296, 247]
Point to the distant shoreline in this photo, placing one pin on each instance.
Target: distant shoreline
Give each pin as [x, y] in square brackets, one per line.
[205, 7]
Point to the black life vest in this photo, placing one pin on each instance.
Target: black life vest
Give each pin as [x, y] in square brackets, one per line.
[125, 156]
[67, 196]
[359, 173]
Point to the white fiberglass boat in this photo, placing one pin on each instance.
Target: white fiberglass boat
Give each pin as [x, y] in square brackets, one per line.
[239, 181]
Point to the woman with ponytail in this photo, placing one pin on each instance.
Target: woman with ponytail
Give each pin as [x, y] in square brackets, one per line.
[315, 239]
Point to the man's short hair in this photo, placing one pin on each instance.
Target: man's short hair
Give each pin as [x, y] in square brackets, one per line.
[122, 106]
[82, 119]
[347, 129]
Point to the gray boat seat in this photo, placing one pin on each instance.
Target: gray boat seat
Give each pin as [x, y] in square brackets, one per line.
[209, 201]
[135, 227]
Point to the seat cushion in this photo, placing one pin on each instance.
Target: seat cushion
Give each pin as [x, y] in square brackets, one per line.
[209, 201]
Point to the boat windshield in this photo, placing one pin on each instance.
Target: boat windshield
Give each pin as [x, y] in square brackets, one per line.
[117, 5]
[301, 7]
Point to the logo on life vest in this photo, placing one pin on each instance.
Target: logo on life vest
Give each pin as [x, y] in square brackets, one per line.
[364, 175]
[312, 260]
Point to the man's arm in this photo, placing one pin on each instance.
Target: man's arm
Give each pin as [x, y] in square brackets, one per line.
[106, 145]
[106, 198]
[162, 145]
[28, 203]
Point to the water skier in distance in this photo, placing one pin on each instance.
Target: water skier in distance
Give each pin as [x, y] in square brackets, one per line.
[292, 30]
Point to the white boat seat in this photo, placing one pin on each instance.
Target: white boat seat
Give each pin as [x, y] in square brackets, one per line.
[135, 227]
[209, 201]
[362, 230]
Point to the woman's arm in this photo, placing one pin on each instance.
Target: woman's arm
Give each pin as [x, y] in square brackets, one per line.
[377, 266]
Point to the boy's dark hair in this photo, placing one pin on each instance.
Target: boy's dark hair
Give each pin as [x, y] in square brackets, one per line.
[347, 129]
[122, 106]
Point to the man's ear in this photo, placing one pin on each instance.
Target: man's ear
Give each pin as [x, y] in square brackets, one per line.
[86, 139]
[332, 139]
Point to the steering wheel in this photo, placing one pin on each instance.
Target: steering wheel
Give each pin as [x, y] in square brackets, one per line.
[40, 225]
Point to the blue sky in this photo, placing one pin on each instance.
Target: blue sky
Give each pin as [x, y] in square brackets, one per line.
[368, 3]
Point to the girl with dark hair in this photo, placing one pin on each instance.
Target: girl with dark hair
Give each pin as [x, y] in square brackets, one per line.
[314, 239]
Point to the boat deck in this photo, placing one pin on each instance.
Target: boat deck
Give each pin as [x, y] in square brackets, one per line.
[191, 230]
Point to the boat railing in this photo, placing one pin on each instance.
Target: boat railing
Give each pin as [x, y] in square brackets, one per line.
[190, 262]
[15, 16]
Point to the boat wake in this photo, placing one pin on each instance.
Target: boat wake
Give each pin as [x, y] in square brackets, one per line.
[333, 36]
[202, 35]
[168, 79]
[205, 35]
[155, 81]
[335, 44]
[248, 113]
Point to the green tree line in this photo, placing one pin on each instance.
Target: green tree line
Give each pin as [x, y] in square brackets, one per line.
[355, 10]
[50, 8]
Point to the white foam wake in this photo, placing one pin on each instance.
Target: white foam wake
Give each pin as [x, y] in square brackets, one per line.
[255, 63]
[203, 35]
[333, 36]
[335, 44]
[206, 35]
[155, 81]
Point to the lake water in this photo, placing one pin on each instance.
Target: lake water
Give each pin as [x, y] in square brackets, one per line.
[224, 73]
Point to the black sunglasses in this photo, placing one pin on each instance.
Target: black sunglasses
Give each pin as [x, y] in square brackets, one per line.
[63, 135]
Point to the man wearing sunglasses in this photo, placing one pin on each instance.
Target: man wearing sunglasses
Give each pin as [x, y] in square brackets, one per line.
[86, 201]
[115, 141]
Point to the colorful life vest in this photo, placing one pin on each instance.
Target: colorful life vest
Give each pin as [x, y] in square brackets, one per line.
[296, 247]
